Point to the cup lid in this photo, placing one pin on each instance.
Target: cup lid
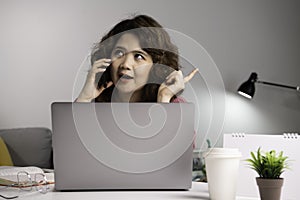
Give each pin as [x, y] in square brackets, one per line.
[222, 152]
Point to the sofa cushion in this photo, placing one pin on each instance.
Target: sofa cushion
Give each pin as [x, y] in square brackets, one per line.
[5, 159]
[29, 146]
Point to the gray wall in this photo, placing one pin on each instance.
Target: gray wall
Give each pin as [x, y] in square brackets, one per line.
[43, 43]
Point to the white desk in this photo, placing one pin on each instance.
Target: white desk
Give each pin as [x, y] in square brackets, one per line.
[199, 191]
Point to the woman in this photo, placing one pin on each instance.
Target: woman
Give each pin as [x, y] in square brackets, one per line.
[134, 62]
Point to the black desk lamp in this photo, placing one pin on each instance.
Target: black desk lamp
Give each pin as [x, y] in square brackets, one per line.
[247, 89]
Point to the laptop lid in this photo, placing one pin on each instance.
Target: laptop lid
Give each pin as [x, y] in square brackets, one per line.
[122, 145]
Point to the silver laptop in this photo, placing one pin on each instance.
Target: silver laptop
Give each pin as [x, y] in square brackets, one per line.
[121, 146]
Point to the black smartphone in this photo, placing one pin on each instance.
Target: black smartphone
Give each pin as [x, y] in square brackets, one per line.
[103, 78]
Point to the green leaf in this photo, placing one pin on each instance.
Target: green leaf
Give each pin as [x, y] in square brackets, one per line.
[269, 164]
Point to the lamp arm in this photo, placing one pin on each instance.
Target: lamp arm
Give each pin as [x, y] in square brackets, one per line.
[279, 85]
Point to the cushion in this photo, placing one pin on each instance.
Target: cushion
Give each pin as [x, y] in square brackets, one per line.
[5, 159]
[29, 146]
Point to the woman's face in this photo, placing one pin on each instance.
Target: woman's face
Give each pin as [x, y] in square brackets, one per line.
[131, 65]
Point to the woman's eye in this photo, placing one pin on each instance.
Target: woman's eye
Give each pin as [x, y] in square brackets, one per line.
[118, 53]
[139, 57]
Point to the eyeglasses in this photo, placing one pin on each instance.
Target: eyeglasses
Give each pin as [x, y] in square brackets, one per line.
[25, 182]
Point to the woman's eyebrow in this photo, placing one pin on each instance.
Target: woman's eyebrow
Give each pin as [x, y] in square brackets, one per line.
[140, 52]
[133, 51]
[119, 47]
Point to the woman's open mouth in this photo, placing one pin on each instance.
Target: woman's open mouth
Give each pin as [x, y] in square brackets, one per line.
[125, 76]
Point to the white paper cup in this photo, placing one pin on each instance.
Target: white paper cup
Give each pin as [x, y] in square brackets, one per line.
[222, 167]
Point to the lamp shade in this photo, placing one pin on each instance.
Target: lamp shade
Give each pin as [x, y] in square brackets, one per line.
[247, 89]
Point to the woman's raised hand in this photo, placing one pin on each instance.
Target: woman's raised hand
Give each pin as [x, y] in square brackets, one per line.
[173, 84]
[90, 89]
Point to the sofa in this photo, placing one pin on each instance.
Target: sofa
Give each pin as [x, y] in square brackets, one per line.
[29, 146]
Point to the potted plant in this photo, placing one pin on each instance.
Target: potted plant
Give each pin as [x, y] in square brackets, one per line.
[269, 167]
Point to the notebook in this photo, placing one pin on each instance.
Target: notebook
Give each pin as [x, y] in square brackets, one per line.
[289, 143]
[120, 146]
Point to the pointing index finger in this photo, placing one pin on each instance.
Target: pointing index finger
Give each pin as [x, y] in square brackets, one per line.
[190, 75]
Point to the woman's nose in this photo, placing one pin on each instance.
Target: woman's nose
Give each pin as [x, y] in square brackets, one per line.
[128, 62]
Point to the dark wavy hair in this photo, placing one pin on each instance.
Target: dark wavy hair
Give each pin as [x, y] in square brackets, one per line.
[154, 40]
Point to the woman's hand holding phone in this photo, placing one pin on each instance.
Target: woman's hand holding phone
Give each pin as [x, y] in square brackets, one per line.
[173, 84]
[91, 90]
